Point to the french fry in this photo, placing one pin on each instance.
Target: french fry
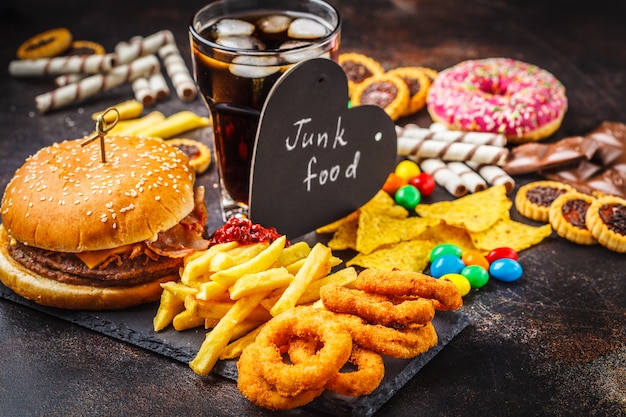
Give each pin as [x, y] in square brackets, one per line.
[233, 350]
[129, 109]
[267, 280]
[211, 290]
[236, 256]
[218, 338]
[199, 264]
[176, 124]
[218, 309]
[344, 278]
[262, 261]
[316, 265]
[186, 319]
[294, 253]
[179, 289]
[169, 307]
[134, 126]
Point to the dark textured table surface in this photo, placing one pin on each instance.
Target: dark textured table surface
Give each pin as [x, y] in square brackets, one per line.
[551, 344]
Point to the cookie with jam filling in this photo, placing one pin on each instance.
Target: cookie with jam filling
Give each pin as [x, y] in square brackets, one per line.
[358, 68]
[567, 217]
[386, 91]
[534, 199]
[606, 220]
[418, 80]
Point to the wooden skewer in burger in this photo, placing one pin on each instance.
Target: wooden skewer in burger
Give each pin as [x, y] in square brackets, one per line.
[88, 230]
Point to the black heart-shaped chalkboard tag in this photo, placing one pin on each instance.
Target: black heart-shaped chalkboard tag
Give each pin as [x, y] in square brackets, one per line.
[315, 159]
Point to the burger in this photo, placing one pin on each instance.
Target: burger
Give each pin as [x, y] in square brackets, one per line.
[83, 229]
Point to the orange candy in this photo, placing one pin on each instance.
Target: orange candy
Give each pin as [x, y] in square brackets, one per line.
[474, 258]
[394, 182]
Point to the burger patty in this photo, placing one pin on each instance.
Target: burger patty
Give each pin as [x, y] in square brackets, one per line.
[68, 269]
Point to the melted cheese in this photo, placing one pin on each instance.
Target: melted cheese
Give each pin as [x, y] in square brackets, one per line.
[96, 257]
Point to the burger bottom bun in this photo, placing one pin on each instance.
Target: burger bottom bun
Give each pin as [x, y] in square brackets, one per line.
[48, 292]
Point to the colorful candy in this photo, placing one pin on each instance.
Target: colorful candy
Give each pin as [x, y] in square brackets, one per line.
[407, 169]
[445, 249]
[461, 283]
[446, 264]
[423, 182]
[393, 183]
[408, 197]
[499, 253]
[506, 269]
[448, 260]
[476, 275]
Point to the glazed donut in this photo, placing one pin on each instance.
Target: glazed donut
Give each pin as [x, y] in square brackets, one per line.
[498, 95]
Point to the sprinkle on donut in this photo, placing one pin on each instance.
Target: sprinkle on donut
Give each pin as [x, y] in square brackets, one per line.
[498, 95]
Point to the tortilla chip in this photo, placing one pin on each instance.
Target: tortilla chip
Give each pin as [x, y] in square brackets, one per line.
[383, 203]
[512, 234]
[375, 231]
[411, 255]
[345, 236]
[444, 233]
[334, 226]
[474, 212]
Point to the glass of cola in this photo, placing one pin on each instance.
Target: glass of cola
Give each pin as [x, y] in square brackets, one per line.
[240, 48]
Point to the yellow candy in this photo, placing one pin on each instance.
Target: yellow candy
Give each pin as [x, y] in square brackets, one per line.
[461, 283]
[407, 169]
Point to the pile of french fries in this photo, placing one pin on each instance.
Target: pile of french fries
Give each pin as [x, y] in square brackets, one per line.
[233, 289]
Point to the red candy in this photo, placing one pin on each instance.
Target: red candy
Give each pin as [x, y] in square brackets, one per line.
[500, 253]
[424, 182]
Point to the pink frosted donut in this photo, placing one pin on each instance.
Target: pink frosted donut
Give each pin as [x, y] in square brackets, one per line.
[498, 95]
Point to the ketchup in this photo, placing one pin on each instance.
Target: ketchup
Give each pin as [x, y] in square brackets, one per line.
[243, 231]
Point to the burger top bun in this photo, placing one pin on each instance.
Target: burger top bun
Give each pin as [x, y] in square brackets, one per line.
[65, 199]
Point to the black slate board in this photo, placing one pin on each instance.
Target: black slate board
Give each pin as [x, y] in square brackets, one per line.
[134, 326]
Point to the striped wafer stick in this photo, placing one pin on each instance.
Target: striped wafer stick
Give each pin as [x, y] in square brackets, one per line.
[477, 138]
[73, 64]
[126, 52]
[178, 72]
[65, 79]
[471, 179]
[159, 86]
[143, 92]
[452, 151]
[494, 175]
[94, 84]
[444, 176]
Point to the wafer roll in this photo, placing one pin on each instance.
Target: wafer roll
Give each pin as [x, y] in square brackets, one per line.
[444, 176]
[177, 71]
[143, 92]
[72, 64]
[494, 175]
[94, 84]
[65, 79]
[477, 138]
[471, 179]
[126, 52]
[452, 151]
[159, 86]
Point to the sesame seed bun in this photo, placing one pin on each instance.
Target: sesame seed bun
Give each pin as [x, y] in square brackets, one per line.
[64, 202]
[65, 199]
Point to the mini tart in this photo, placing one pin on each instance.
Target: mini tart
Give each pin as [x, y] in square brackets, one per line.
[358, 68]
[606, 220]
[386, 91]
[81, 48]
[534, 199]
[47, 44]
[418, 83]
[567, 217]
[198, 153]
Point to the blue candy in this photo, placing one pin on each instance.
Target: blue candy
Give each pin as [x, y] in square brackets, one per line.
[446, 264]
[506, 270]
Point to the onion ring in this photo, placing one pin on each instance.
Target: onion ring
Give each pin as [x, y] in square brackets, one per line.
[375, 308]
[256, 389]
[408, 342]
[444, 293]
[315, 371]
[370, 368]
